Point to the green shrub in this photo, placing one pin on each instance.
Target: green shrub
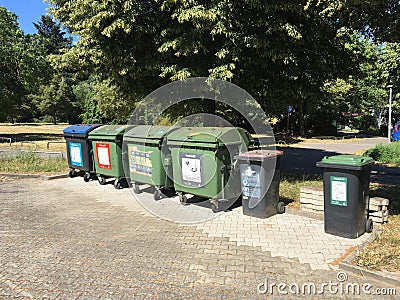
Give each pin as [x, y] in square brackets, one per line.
[389, 153]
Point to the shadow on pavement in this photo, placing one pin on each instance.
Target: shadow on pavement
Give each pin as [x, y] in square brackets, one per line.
[35, 137]
[302, 161]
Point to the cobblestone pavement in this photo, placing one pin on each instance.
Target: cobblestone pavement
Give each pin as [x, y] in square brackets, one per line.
[67, 239]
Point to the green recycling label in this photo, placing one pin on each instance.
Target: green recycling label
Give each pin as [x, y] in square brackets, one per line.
[338, 191]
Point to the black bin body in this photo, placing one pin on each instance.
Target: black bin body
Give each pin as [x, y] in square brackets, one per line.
[260, 177]
[346, 194]
[79, 148]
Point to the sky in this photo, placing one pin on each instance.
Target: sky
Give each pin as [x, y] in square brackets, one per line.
[28, 11]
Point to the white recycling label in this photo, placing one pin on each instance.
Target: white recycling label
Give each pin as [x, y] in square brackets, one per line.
[191, 169]
[338, 191]
[104, 156]
[76, 154]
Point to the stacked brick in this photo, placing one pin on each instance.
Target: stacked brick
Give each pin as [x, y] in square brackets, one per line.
[378, 209]
[312, 200]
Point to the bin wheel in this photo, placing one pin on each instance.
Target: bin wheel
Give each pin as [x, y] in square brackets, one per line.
[369, 225]
[136, 189]
[117, 184]
[158, 195]
[101, 180]
[71, 173]
[280, 208]
[214, 206]
[86, 177]
[183, 199]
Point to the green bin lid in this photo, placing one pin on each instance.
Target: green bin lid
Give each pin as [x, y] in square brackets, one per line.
[350, 160]
[149, 132]
[109, 132]
[209, 135]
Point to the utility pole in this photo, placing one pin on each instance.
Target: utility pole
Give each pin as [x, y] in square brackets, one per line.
[290, 109]
[390, 87]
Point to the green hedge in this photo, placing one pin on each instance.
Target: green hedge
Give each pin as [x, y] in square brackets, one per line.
[388, 153]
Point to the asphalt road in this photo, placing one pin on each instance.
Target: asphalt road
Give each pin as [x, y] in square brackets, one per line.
[302, 158]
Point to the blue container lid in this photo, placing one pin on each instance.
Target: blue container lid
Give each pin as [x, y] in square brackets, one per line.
[80, 128]
[396, 136]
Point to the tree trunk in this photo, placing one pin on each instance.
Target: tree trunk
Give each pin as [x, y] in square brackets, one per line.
[301, 120]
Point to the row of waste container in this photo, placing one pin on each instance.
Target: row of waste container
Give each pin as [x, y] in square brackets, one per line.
[218, 163]
[202, 161]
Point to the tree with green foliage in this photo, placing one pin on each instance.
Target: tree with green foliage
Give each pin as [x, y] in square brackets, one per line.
[102, 101]
[367, 91]
[23, 67]
[378, 19]
[54, 98]
[53, 35]
[282, 53]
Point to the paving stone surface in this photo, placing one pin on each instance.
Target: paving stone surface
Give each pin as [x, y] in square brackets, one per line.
[66, 239]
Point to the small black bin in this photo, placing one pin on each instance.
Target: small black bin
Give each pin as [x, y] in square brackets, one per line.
[346, 194]
[79, 149]
[260, 178]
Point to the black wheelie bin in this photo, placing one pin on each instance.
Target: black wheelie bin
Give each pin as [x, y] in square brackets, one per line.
[346, 194]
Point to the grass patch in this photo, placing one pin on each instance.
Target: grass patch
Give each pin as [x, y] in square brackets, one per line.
[388, 153]
[384, 252]
[289, 189]
[29, 162]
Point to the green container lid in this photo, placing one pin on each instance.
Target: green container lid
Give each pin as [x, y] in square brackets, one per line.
[109, 132]
[149, 132]
[209, 136]
[349, 160]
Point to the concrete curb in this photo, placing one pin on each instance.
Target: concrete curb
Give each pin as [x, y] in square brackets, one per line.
[346, 264]
[37, 176]
[299, 212]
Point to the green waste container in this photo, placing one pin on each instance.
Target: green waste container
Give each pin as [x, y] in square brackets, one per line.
[107, 150]
[203, 163]
[148, 158]
[346, 194]
[260, 177]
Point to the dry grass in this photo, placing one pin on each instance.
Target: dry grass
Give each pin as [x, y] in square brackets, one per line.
[329, 141]
[384, 253]
[28, 128]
